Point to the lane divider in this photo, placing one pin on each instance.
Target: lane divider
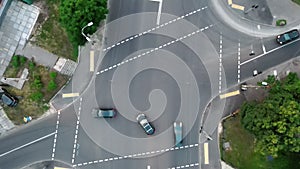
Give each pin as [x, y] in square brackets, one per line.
[155, 49]
[136, 155]
[185, 166]
[154, 28]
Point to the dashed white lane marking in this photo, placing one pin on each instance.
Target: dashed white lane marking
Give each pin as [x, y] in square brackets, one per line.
[258, 27]
[264, 48]
[220, 63]
[134, 155]
[185, 166]
[239, 63]
[157, 27]
[76, 132]
[148, 167]
[55, 136]
[152, 50]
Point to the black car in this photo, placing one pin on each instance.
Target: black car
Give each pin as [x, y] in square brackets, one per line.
[7, 98]
[287, 36]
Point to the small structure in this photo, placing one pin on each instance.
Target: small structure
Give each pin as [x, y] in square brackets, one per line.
[16, 82]
[65, 66]
[226, 146]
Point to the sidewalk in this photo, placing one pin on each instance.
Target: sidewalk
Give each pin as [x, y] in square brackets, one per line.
[40, 55]
[237, 19]
[82, 75]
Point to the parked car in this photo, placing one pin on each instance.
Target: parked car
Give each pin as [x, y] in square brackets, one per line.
[178, 133]
[287, 36]
[8, 99]
[256, 72]
[104, 113]
[142, 120]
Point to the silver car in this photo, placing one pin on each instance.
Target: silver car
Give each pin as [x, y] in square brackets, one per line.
[178, 133]
[142, 120]
[103, 113]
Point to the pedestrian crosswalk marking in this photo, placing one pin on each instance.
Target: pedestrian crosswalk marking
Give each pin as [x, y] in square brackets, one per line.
[230, 94]
[66, 95]
[206, 157]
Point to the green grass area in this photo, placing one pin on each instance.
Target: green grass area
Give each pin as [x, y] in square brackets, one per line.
[28, 106]
[52, 36]
[296, 1]
[242, 154]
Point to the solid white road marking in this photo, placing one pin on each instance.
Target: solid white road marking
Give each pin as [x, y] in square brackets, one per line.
[270, 51]
[159, 10]
[133, 155]
[148, 167]
[27, 144]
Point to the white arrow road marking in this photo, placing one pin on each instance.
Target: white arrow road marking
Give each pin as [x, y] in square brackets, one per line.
[159, 10]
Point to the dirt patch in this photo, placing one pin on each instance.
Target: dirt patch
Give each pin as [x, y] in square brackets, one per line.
[27, 106]
[48, 33]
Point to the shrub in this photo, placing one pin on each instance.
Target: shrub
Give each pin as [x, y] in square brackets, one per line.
[280, 22]
[36, 96]
[31, 65]
[36, 84]
[53, 75]
[52, 85]
[22, 60]
[15, 61]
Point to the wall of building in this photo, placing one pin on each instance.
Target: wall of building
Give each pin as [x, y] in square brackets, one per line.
[3, 8]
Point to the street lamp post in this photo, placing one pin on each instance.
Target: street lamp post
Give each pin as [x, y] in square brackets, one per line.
[252, 8]
[86, 37]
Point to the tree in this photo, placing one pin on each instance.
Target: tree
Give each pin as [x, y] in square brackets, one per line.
[276, 121]
[74, 15]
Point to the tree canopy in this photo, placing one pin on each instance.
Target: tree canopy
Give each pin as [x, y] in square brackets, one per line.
[275, 122]
[75, 14]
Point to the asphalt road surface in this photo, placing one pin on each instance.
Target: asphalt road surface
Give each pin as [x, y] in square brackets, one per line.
[170, 71]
